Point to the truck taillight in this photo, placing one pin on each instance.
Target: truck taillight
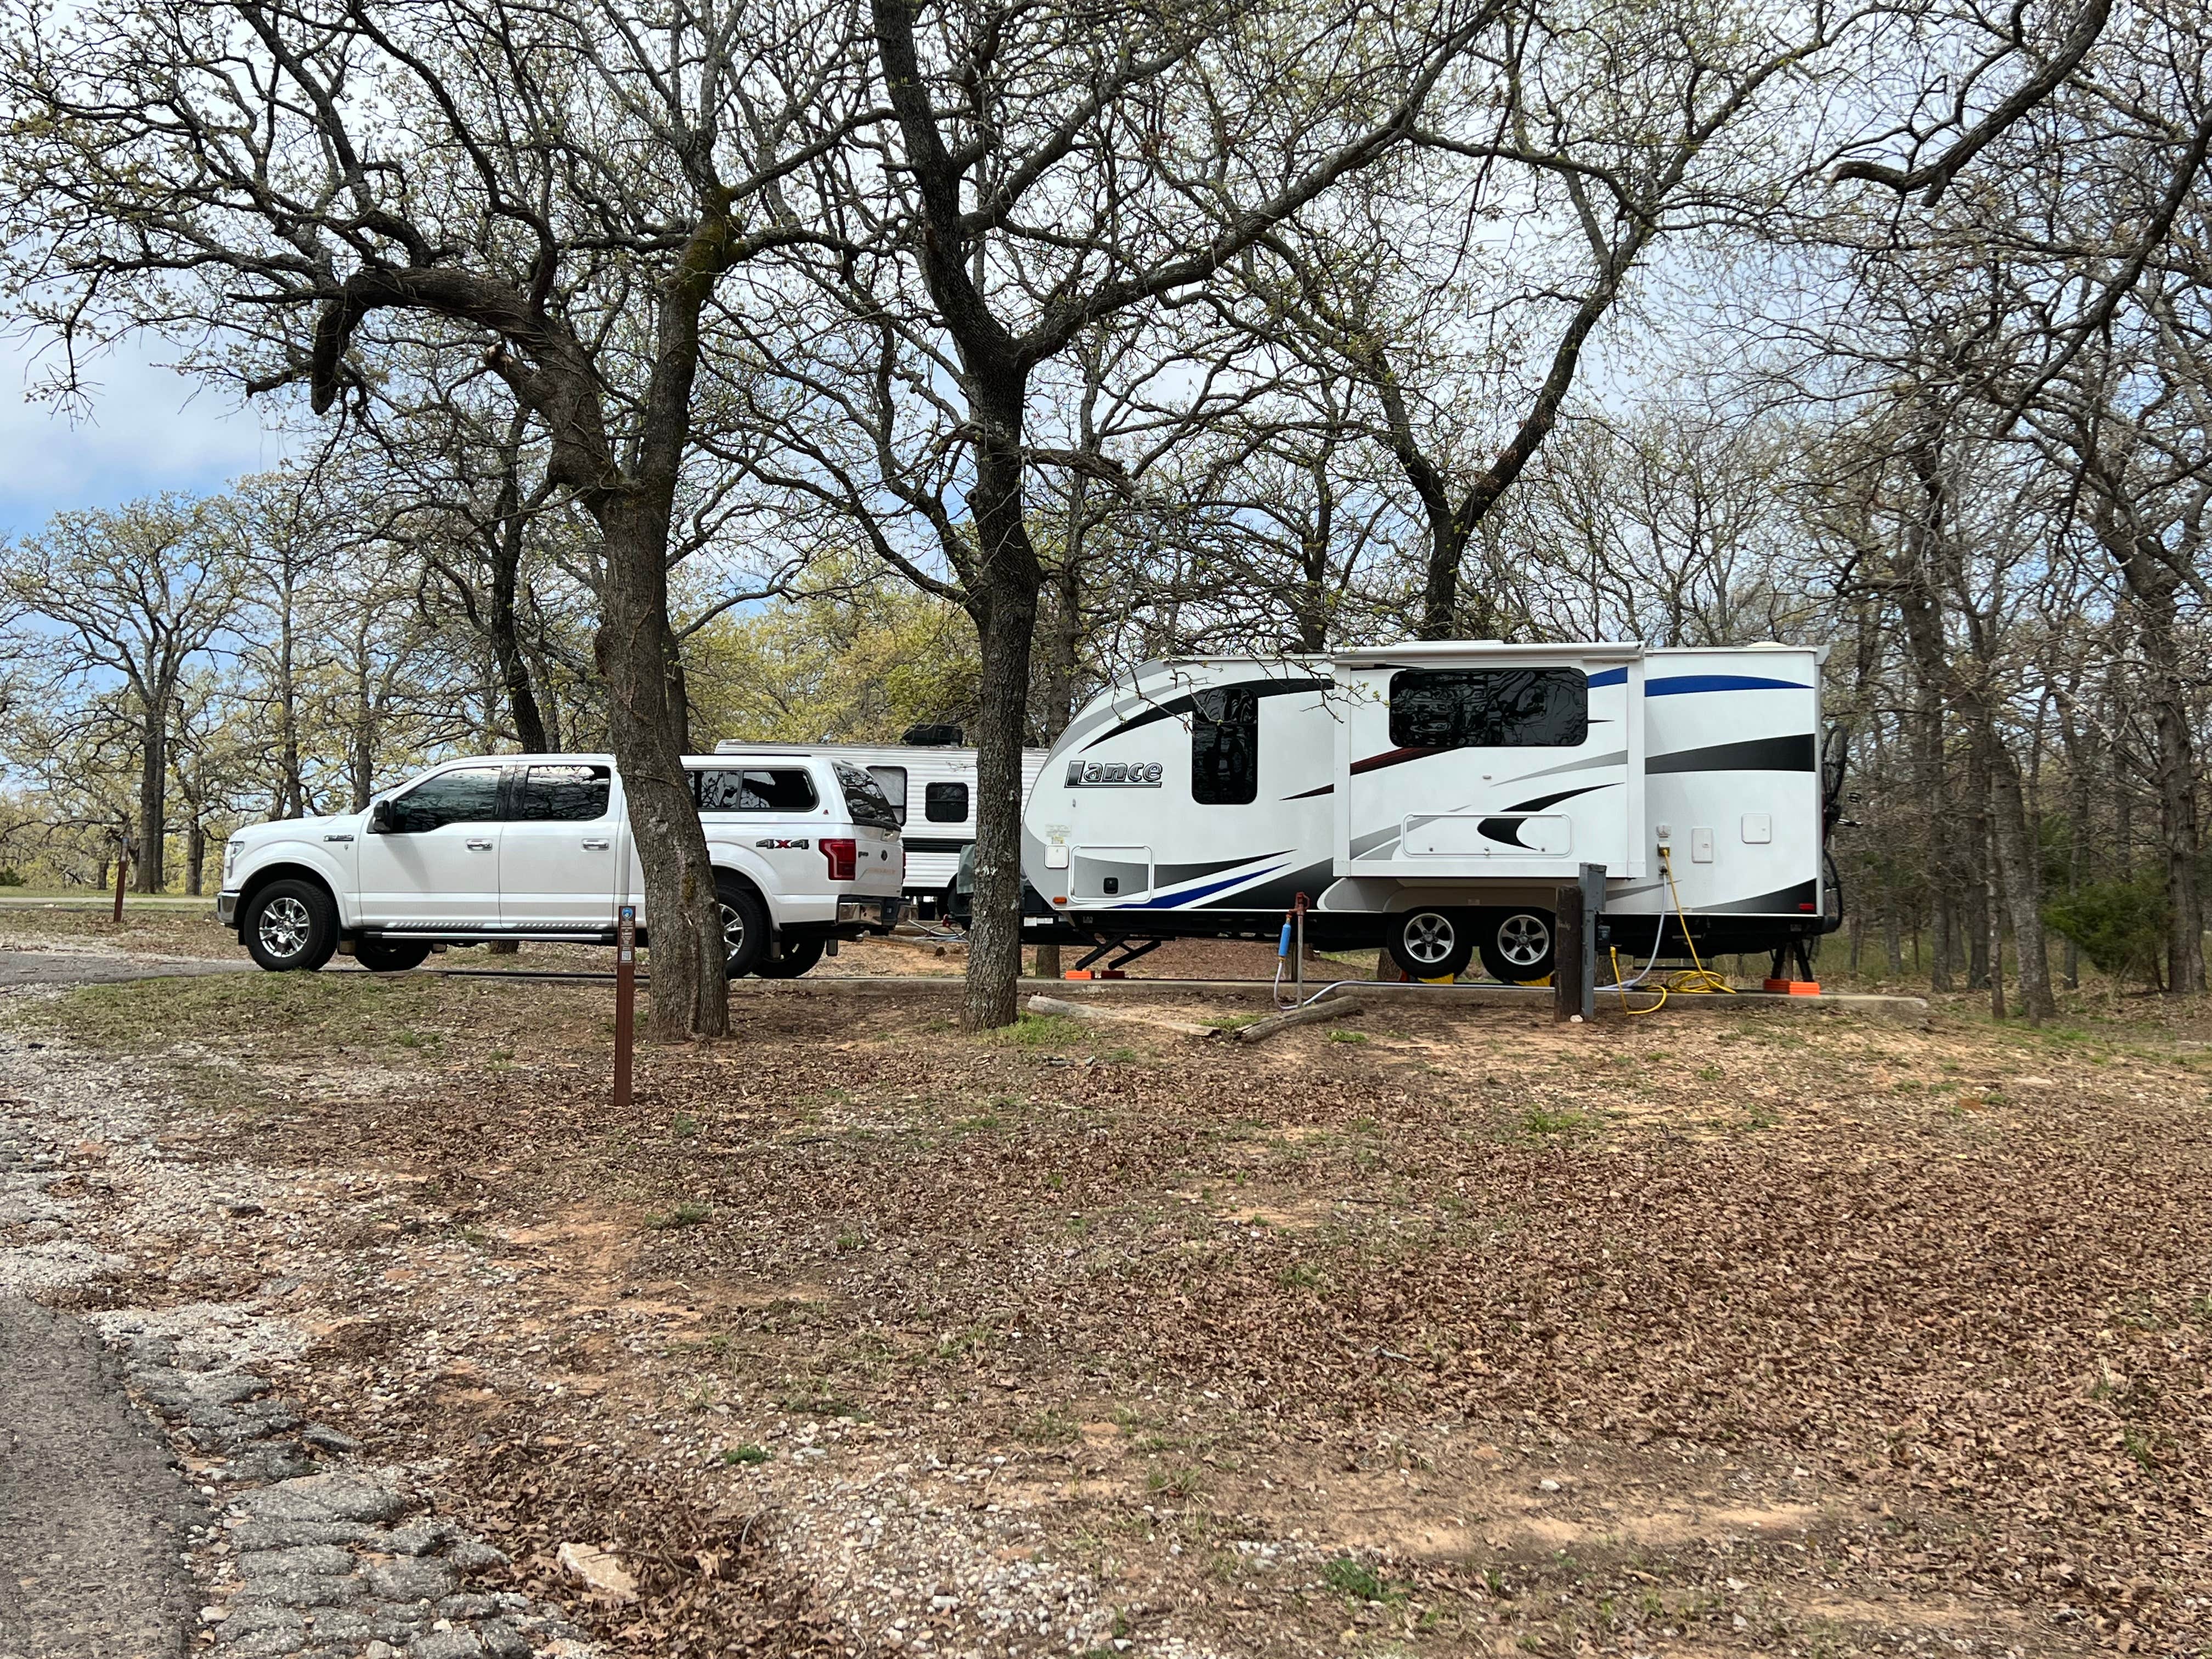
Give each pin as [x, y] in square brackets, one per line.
[844, 856]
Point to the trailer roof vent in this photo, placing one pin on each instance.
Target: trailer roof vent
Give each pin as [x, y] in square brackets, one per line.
[932, 737]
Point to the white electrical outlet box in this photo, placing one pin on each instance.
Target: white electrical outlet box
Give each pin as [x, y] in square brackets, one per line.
[1701, 846]
[1757, 828]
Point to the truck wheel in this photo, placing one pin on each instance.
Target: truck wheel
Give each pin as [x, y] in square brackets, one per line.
[1431, 944]
[1517, 945]
[291, 926]
[745, 927]
[794, 959]
[390, 956]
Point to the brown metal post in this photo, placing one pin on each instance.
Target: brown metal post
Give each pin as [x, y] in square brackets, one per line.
[122, 863]
[625, 1000]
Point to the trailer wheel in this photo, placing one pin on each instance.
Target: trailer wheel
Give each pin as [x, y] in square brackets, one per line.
[745, 926]
[1516, 945]
[794, 959]
[1431, 944]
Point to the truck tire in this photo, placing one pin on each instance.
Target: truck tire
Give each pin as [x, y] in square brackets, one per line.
[390, 956]
[291, 926]
[1516, 945]
[745, 926]
[1431, 943]
[795, 959]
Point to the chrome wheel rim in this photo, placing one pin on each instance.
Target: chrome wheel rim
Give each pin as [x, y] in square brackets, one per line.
[1522, 939]
[283, 926]
[733, 932]
[1429, 939]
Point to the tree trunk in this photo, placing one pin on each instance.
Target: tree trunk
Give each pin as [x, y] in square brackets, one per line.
[1006, 622]
[196, 857]
[690, 992]
[146, 877]
[507, 544]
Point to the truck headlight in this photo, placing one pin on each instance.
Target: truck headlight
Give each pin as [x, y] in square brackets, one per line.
[229, 858]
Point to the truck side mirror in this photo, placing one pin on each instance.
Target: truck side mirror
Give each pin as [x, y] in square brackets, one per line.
[380, 821]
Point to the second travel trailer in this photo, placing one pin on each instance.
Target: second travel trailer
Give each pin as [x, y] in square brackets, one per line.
[1431, 798]
[932, 788]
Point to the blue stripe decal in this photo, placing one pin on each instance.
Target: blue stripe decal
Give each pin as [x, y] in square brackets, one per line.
[1169, 900]
[1682, 685]
[1611, 676]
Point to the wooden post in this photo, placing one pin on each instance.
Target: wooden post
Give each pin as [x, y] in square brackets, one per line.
[1574, 947]
[625, 1000]
[122, 863]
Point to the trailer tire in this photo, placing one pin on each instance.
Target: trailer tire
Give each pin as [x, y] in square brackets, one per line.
[1517, 946]
[391, 956]
[291, 926]
[744, 926]
[795, 959]
[1431, 944]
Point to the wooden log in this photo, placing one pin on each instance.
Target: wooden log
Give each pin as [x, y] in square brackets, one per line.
[1261, 1030]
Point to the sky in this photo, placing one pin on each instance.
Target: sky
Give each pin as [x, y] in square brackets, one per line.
[148, 429]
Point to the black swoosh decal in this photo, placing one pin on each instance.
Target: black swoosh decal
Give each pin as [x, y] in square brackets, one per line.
[1507, 829]
[1793, 753]
[1174, 875]
[1391, 758]
[1189, 702]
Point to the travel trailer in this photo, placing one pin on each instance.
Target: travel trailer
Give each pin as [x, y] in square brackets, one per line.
[932, 788]
[1431, 798]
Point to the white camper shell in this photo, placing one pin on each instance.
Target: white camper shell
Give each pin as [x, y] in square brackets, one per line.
[932, 790]
[1433, 797]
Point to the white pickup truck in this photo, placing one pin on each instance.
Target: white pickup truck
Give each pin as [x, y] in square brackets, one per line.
[538, 846]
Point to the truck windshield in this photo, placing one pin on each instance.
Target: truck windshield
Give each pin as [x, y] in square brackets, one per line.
[864, 800]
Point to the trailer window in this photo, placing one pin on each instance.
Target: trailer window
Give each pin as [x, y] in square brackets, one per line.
[1224, 747]
[864, 802]
[892, 779]
[945, 803]
[1490, 708]
[561, 794]
[779, 791]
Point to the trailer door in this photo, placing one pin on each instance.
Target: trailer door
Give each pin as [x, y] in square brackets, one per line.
[1494, 763]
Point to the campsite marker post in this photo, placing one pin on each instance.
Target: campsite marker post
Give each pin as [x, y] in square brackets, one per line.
[625, 1000]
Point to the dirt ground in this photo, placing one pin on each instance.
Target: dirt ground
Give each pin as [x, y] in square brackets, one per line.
[1425, 1331]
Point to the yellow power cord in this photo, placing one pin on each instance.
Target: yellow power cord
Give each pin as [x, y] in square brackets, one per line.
[1695, 981]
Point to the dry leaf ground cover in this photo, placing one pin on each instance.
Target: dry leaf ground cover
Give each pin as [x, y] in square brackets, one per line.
[1432, 1332]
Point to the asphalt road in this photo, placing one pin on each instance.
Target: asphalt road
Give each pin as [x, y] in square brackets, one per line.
[92, 1512]
[21, 967]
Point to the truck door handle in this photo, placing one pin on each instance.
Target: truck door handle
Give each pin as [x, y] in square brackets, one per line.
[599, 845]
[480, 847]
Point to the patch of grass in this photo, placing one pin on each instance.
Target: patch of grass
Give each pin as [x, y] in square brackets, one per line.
[683, 1126]
[1037, 1031]
[847, 1242]
[822, 1405]
[304, 1012]
[747, 1453]
[1302, 1278]
[1347, 1037]
[1232, 1021]
[684, 1215]
[1051, 1427]
[1543, 1120]
[1183, 1483]
[1355, 1581]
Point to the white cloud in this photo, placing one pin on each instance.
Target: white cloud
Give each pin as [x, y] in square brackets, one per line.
[145, 429]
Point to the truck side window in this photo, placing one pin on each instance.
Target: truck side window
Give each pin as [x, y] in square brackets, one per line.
[1224, 747]
[468, 795]
[892, 779]
[945, 803]
[777, 790]
[561, 794]
[1490, 708]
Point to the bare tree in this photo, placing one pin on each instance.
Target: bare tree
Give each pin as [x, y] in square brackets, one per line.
[134, 598]
[557, 192]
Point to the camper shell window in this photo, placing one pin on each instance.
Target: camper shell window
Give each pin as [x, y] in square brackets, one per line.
[1224, 747]
[750, 791]
[1490, 708]
[864, 800]
[892, 779]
